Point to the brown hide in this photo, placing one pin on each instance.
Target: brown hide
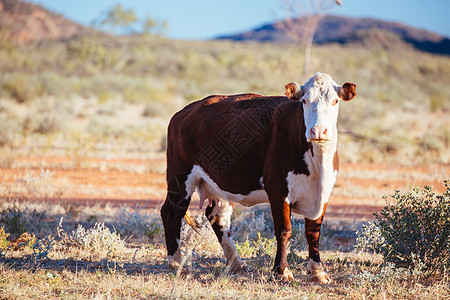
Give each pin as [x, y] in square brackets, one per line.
[238, 139]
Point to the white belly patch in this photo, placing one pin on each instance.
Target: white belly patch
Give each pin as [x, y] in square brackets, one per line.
[198, 179]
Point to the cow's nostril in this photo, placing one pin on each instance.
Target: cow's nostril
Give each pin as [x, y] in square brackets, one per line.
[319, 133]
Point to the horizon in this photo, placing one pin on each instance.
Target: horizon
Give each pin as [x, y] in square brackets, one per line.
[198, 20]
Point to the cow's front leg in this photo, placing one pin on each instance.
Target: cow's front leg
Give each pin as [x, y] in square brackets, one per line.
[281, 213]
[219, 217]
[312, 232]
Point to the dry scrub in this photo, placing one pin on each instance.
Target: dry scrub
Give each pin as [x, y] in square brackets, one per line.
[124, 257]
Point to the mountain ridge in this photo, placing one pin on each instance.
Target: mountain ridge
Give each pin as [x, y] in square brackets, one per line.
[23, 22]
[343, 30]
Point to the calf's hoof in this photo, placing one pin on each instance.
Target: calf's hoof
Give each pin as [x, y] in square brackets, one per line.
[317, 273]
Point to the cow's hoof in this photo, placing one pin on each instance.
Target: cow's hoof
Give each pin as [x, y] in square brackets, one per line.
[317, 273]
[175, 264]
[321, 278]
[286, 276]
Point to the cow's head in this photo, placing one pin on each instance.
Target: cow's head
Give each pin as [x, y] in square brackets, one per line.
[320, 96]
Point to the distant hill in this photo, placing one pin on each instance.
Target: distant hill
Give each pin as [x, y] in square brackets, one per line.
[343, 30]
[22, 22]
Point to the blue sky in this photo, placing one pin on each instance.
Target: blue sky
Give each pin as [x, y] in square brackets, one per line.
[204, 19]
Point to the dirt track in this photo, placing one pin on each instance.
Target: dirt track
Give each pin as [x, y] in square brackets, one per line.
[142, 181]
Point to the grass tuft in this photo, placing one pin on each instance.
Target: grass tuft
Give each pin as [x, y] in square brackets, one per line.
[96, 239]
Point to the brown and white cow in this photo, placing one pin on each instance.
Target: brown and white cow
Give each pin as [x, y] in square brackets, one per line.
[253, 149]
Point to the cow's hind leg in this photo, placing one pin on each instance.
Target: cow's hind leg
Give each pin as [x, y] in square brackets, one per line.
[173, 210]
[220, 219]
[312, 232]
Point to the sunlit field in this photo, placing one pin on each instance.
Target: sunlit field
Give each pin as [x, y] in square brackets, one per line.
[82, 167]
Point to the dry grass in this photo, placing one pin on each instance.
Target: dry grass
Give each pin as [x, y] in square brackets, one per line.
[135, 267]
[142, 273]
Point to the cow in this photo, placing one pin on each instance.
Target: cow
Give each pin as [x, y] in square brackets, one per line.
[252, 149]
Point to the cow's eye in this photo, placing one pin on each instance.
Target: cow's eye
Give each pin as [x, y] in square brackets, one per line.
[335, 101]
[304, 101]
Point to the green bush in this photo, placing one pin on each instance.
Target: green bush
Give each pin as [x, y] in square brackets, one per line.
[18, 222]
[14, 219]
[153, 230]
[23, 88]
[415, 228]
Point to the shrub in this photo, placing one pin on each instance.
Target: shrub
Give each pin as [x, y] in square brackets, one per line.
[22, 88]
[413, 228]
[94, 239]
[14, 220]
[138, 223]
[154, 230]
[389, 278]
[259, 252]
[10, 130]
[18, 222]
[25, 240]
[42, 247]
[44, 122]
[249, 224]
[438, 101]
[154, 109]
[258, 245]
[369, 238]
[4, 243]
[298, 238]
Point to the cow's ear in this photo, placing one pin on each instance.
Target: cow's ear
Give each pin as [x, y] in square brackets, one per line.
[293, 91]
[347, 91]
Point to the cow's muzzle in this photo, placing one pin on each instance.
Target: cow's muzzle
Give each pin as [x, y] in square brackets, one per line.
[319, 134]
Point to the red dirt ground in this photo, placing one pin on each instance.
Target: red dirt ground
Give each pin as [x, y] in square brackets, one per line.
[357, 194]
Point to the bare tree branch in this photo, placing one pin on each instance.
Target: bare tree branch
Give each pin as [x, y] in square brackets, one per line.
[301, 23]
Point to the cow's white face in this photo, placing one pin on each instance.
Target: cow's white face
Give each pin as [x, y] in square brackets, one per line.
[321, 106]
[320, 96]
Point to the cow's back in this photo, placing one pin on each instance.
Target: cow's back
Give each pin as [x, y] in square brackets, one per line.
[226, 136]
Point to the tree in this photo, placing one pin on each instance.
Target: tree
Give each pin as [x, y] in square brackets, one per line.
[118, 20]
[151, 26]
[301, 22]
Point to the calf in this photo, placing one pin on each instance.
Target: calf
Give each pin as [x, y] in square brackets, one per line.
[253, 149]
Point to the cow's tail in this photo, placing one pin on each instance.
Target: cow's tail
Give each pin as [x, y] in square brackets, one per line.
[195, 225]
